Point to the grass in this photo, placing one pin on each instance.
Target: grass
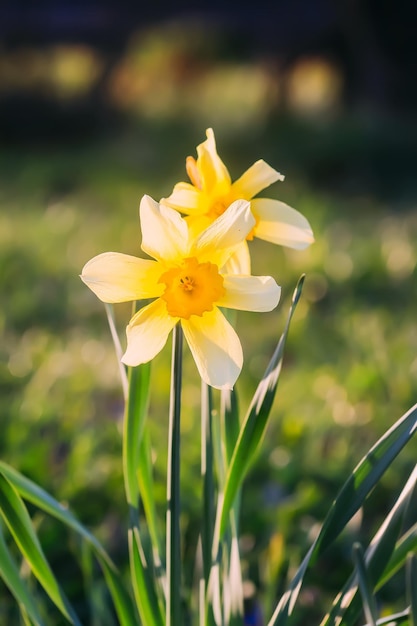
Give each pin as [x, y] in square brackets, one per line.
[350, 366]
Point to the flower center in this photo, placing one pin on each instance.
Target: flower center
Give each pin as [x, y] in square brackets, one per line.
[217, 208]
[192, 288]
[220, 205]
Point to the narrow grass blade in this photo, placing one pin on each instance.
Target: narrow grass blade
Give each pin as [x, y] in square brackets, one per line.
[31, 492]
[365, 585]
[118, 348]
[19, 523]
[229, 414]
[254, 426]
[351, 497]
[406, 544]
[146, 488]
[347, 604]
[394, 619]
[143, 587]
[9, 572]
[207, 474]
[234, 577]
[134, 420]
[412, 587]
[364, 478]
[173, 535]
[143, 581]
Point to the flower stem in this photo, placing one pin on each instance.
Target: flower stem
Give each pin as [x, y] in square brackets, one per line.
[207, 476]
[173, 547]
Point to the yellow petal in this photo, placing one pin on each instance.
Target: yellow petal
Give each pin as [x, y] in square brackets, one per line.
[214, 174]
[116, 277]
[147, 333]
[164, 232]
[250, 293]
[215, 347]
[259, 176]
[187, 199]
[281, 224]
[239, 262]
[217, 242]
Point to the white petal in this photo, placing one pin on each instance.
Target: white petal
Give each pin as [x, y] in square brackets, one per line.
[259, 176]
[250, 293]
[147, 333]
[116, 277]
[164, 232]
[239, 262]
[187, 199]
[213, 172]
[281, 224]
[215, 347]
[228, 230]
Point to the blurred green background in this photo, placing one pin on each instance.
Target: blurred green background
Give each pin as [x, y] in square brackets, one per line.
[85, 131]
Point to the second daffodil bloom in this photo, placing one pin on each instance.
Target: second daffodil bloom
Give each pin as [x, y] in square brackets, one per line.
[188, 284]
[211, 191]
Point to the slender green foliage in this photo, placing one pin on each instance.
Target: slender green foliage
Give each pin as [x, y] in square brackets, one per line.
[142, 573]
[379, 552]
[207, 473]
[31, 492]
[173, 537]
[351, 497]
[19, 523]
[253, 428]
[365, 585]
[411, 571]
[9, 572]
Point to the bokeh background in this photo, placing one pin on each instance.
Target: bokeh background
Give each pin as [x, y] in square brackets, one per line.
[100, 102]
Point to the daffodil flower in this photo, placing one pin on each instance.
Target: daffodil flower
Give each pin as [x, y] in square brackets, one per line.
[188, 283]
[211, 191]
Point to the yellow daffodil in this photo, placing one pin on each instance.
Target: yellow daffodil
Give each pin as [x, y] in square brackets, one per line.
[189, 284]
[211, 191]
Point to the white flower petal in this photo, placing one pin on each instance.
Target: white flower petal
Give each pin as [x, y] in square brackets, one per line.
[281, 224]
[187, 199]
[215, 347]
[250, 293]
[259, 176]
[164, 232]
[116, 277]
[239, 262]
[213, 172]
[228, 230]
[147, 333]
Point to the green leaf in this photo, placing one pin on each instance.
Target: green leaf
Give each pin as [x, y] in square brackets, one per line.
[254, 427]
[19, 523]
[146, 488]
[136, 410]
[412, 587]
[207, 473]
[173, 534]
[394, 619]
[229, 413]
[351, 497]
[134, 420]
[377, 556]
[365, 585]
[9, 572]
[40, 498]
[143, 586]
[406, 544]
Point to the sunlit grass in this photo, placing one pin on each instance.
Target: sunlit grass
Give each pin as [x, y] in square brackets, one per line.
[350, 367]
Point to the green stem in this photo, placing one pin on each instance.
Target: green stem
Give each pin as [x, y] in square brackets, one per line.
[207, 476]
[173, 547]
